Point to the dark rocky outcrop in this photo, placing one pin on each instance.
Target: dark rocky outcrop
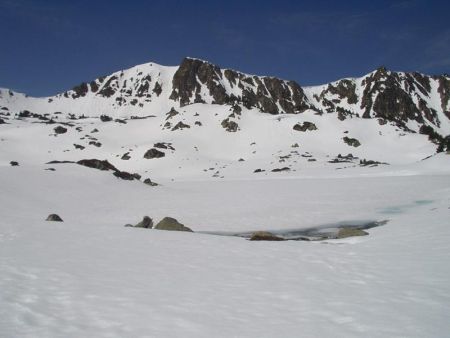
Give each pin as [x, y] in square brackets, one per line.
[443, 143]
[154, 153]
[264, 93]
[305, 126]
[350, 232]
[79, 146]
[60, 130]
[163, 145]
[105, 118]
[157, 89]
[150, 182]
[349, 158]
[370, 163]
[394, 97]
[171, 224]
[277, 170]
[54, 218]
[97, 164]
[109, 88]
[393, 93]
[59, 162]
[264, 236]
[230, 126]
[125, 175]
[172, 112]
[146, 223]
[180, 125]
[353, 142]
[106, 166]
[95, 144]
[80, 90]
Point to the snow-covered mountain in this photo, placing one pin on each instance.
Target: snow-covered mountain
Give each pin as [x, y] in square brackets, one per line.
[226, 153]
[215, 118]
[393, 96]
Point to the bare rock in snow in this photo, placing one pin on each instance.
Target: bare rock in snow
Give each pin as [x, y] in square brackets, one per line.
[54, 218]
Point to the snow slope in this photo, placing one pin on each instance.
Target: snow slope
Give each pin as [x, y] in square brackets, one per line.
[229, 165]
[90, 276]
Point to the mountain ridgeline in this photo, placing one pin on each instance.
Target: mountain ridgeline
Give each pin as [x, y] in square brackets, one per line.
[412, 101]
[394, 96]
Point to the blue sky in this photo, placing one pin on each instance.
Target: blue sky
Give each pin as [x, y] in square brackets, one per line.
[50, 46]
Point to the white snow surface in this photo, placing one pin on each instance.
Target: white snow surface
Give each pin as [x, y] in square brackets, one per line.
[92, 277]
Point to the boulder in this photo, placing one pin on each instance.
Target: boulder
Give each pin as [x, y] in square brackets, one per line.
[230, 126]
[154, 153]
[54, 218]
[350, 232]
[171, 113]
[171, 224]
[164, 145]
[126, 156]
[150, 183]
[265, 236]
[353, 142]
[97, 164]
[60, 130]
[105, 118]
[277, 170]
[306, 126]
[146, 223]
[124, 175]
[94, 143]
[180, 125]
[78, 146]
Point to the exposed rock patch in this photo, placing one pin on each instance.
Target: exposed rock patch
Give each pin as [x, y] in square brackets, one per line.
[154, 153]
[180, 125]
[164, 145]
[146, 222]
[97, 164]
[230, 126]
[353, 142]
[54, 218]
[60, 130]
[150, 182]
[277, 170]
[350, 232]
[105, 118]
[171, 224]
[305, 126]
[264, 93]
[265, 236]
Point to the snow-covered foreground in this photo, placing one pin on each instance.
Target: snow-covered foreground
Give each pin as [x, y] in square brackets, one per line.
[92, 277]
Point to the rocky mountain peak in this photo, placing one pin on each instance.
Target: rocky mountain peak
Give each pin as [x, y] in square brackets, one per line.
[197, 81]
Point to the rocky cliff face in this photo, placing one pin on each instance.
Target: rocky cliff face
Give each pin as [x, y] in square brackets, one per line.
[390, 96]
[197, 81]
[409, 100]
